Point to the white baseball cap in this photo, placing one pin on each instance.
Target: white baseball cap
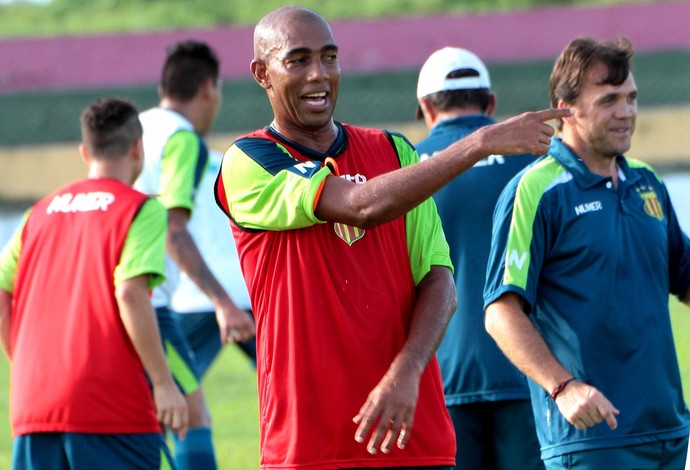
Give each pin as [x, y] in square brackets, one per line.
[452, 68]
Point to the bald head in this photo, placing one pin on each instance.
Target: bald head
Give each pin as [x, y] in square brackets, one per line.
[296, 62]
[277, 24]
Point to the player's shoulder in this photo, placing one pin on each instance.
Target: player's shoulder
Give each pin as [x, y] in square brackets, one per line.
[542, 172]
[534, 181]
[373, 132]
[153, 211]
[643, 167]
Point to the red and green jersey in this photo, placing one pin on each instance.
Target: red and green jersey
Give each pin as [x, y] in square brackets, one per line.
[333, 303]
[74, 368]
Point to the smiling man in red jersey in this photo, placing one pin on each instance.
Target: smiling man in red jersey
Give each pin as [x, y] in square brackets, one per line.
[346, 263]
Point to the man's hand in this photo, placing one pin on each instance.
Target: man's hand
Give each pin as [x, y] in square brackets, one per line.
[171, 407]
[234, 323]
[388, 413]
[139, 320]
[526, 133]
[584, 406]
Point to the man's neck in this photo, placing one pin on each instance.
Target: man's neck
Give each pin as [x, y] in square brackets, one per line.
[116, 170]
[597, 163]
[319, 140]
[454, 113]
[186, 110]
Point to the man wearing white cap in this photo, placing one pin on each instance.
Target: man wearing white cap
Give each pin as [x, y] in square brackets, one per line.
[486, 396]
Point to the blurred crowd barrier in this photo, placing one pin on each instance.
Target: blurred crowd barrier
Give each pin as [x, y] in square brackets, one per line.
[46, 82]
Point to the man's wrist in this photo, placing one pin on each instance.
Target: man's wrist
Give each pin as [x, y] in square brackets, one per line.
[560, 387]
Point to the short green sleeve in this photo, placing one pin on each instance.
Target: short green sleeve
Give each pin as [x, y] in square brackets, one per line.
[267, 189]
[144, 248]
[9, 257]
[426, 242]
[178, 170]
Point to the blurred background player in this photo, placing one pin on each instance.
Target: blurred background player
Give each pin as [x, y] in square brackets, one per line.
[76, 320]
[191, 307]
[176, 158]
[486, 396]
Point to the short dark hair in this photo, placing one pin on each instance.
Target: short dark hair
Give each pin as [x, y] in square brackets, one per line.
[188, 64]
[453, 99]
[579, 56]
[109, 128]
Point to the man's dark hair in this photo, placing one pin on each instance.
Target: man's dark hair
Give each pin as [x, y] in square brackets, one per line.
[453, 99]
[188, 65]
[109, 128]
[577, 59]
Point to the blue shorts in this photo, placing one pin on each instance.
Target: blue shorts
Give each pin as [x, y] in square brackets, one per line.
[202, 333]
[76, 451]
[670, 454]
[496, 435]
[179, 353]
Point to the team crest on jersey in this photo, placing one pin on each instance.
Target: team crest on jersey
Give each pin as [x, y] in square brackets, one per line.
[348, 233]
[652, 206]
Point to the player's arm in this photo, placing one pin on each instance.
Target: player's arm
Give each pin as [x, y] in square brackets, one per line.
[393, 194]
[5, 320]
[581, 404]
[232, 321]
[139, 320]
[141, 268]
[388, 412]
[9, 260]
[180, 168]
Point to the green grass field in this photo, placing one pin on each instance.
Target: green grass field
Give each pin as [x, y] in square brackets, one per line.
[231, 392]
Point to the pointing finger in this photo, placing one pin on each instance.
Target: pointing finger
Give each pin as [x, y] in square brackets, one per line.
[553, 113]
[610, 418]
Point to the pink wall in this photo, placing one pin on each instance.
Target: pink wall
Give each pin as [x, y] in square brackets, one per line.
[387, 44]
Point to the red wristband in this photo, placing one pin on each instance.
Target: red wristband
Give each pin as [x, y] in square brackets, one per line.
[559, 388]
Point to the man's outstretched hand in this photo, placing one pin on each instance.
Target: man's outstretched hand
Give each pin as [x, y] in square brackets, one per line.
[526, 133]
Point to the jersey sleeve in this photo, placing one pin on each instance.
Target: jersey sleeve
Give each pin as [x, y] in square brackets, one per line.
[261, 186]
[678, 251]
[518, 241]
[426, 241]
[144, 248]
[9, 257]
[679, 254]
[678, 241]
[183, 163]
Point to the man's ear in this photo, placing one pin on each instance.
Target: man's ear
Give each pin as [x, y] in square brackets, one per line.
[428, 112]
[562, 104]
[84, 154]
[208, 87]
[138, 149]
[491, 107]
[260, 73]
